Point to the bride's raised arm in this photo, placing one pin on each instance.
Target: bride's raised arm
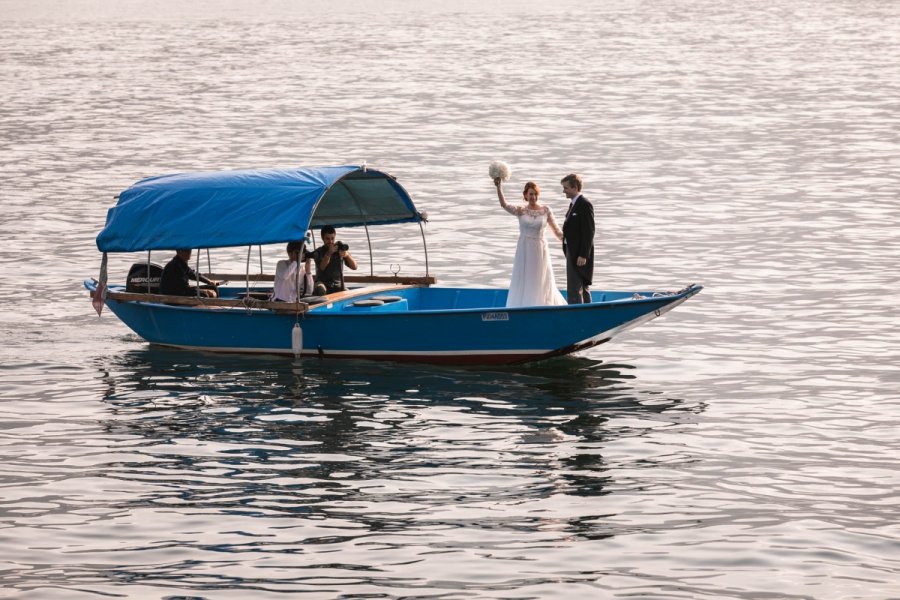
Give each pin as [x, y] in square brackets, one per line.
[510, 209]
[553, 226]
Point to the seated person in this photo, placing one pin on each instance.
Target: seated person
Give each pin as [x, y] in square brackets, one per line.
[330, 259]
[289, 277]
[175, 275]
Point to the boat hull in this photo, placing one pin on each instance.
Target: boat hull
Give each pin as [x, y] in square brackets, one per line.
[432, 325]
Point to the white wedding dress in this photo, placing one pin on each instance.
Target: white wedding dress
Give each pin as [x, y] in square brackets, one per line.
[532, 282]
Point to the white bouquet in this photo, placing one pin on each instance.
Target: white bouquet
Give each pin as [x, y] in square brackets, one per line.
[499, 169]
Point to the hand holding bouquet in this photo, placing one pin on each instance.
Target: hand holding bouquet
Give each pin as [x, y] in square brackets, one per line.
[499, 172]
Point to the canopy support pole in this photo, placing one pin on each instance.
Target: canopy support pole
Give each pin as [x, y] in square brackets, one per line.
[296, 277]
[424, 246]
[365, 224]
[247, 273]
[371, 259]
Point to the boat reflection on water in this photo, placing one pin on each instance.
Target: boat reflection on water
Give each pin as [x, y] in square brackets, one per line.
[364, 417]
[280, 457]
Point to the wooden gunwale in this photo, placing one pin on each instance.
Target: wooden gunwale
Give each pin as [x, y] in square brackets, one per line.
[206, 302]
[424, 280]
[289, 307]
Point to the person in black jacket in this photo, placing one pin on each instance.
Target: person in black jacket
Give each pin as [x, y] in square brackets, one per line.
[331, 258]
[578, 241]
[177, 272]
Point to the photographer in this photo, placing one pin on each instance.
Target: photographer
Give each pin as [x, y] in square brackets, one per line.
[293, 277]
[330, 259]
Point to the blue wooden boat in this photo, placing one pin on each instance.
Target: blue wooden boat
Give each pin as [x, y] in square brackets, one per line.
[383, 317]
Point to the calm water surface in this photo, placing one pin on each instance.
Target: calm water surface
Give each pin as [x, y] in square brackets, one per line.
[743, 446]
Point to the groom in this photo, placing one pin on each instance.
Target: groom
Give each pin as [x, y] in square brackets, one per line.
[578, 241]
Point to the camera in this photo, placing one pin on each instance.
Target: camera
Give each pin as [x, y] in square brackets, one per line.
[341, 246]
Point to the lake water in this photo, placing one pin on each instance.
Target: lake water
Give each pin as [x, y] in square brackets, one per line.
[745, 445]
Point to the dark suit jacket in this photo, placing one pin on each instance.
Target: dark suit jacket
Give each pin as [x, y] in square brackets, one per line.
[578, 236]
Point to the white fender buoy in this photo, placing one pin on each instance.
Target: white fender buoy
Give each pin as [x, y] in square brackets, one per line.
[297, 340]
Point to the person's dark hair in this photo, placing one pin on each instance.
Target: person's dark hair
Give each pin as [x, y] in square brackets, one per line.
[572, 180]
[326, 230]
[294, 247]
[531, 186]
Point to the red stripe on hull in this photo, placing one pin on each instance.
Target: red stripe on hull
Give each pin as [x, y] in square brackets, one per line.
[493, 359]
[468, 359]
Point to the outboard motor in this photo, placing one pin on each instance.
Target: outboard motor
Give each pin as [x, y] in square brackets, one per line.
[140, 281]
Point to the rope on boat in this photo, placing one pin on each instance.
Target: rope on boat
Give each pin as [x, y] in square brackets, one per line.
[250, 303]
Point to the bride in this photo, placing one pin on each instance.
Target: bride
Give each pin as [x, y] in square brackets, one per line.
[532, 283]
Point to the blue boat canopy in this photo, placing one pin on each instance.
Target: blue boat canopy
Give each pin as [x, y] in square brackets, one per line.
[240, 208]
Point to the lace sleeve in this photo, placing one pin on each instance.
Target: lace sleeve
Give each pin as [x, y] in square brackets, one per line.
[513, 210]
[553, 226]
